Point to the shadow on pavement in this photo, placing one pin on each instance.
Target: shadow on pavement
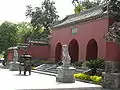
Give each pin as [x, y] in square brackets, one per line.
[20, 75]
[3, 67]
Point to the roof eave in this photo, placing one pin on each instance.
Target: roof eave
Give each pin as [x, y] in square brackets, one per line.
[82, 20]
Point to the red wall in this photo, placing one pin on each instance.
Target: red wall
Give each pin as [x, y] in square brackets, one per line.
[113, 51]
[37, 52]
[41, 52]
[89, 30]
[10, 56]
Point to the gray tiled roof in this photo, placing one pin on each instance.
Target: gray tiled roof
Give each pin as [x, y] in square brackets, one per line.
[83, 15]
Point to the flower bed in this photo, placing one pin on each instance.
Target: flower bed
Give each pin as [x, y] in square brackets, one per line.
[87, 78]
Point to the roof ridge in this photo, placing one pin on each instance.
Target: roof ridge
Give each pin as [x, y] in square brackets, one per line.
[92, 12]
[85, 11]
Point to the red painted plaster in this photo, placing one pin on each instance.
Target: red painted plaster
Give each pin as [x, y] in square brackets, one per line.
[10, 56]
[113, 51]
[86, 31]
[37, 52]
[41, 52]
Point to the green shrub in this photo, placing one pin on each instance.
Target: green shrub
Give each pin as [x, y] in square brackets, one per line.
[94, 64]
[94, 79]
[39, 62]
[99, 63]
[47, 62]
[36, 62]
[78, 64]
[33, 68]
[82, 76]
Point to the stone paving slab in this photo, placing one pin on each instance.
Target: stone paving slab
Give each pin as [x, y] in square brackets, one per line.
[11, 80]
[53, 74]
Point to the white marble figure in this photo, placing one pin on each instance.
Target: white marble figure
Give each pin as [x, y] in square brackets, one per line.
[14, 65]
[15, 57]
[66, 60]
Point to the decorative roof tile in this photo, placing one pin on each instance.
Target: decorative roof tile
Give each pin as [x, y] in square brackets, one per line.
[87, 14]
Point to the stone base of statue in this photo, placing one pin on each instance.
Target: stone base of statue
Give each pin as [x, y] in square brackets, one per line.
[65, 74]
[14, 66]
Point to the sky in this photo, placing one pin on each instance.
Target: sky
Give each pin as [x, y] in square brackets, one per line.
[14, 10]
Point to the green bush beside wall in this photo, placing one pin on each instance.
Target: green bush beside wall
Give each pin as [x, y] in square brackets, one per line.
[94, 79]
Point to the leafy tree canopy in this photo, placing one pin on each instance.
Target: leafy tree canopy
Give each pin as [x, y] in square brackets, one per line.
[113, 33]
[114, 12]
[24, 31]
[81, 5]
[114, 9]
[8, 36]
[42, 17]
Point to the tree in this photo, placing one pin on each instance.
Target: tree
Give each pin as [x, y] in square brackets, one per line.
[85, 4]
[39, 35]
[24, 31]
[114, 32]
[79, 8]
[114, 9]
[43, 17]
[114, 12]
[8, 36]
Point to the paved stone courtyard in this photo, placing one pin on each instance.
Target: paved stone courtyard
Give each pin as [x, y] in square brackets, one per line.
[11, 80]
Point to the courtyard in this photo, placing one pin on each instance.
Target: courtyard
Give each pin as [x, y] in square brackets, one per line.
[11, 80]
[78, 52]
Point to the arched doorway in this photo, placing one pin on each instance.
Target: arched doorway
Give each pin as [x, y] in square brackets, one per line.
[73, 50]
[58, 52]
[92, 50]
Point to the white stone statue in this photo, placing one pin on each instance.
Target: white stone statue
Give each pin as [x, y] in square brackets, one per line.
[14, 65]
[66, 60]
[15, 57]
[66, 71]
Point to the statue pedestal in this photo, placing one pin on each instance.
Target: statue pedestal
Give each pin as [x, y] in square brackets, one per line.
[14, 66]
[65, 74]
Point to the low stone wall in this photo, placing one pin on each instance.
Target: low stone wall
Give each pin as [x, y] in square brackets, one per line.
[111, 80]
[111, 76]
